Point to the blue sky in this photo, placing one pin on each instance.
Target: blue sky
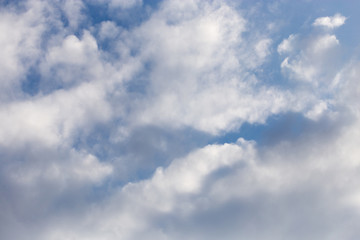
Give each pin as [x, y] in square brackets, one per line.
[179, 119]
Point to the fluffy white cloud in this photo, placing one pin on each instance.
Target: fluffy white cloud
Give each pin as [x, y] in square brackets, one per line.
[53, 119]
[311, 59]
[170, 191]
[286, 45]
[330, 22]
[20, 40]
[73, 51]
[314, 62]
[78, 168]
[144, 100]
[315, 173]
[325, 42]
[73, 11]
[200, 74]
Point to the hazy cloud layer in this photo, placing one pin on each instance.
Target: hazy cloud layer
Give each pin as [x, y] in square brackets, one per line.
[144, 120]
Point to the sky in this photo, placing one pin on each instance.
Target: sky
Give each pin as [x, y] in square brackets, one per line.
[179, 119]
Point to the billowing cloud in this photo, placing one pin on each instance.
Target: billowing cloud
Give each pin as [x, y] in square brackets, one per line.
[184, 89]
[177, 120]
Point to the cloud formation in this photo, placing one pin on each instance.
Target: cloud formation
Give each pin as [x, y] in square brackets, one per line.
[330, 22]
[129, 122]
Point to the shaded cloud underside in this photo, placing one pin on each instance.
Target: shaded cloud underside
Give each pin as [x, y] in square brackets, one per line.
[109, 131]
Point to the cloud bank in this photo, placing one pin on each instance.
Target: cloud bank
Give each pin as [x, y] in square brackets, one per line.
[178, 120]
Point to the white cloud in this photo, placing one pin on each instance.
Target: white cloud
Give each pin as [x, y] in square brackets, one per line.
[330, 22]
[307, 58]
[79, 168]
[73, 10]
[262, 48]
[325, 42]
[108, 29]
[187, 175]
[128, 212]
[346, 84]
[20, 40]
[184, 89]
[55, 118]
[189, 65]
[300, 69]
[286, 45]
[73, 51]
[317, 111]
[319, 171]
[72, 61]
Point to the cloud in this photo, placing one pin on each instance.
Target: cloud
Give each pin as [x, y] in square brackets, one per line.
[73, 11]
[330, 22]
[121, 124]
[21, 40]
[136, 203]
[286, 45]
[53, 119]
[183, 50]
[325, 42]
[73, 50]
[262, 48]
[313, 62]
[308, 57]
[289, 180]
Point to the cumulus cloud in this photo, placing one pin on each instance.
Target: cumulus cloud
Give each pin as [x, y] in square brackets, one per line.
[330, 22]
[184, 49]
[315, 174]
[286, 45]
[20, 38]
[176, 189]
[307, 57]
[150, 126]
[325, 42]
[52, 119]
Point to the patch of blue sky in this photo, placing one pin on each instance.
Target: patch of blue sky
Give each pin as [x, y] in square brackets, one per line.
[126, 18]
[31, 84]
[276, 21]
[18, 4]
[278, 127]
[285, 127]
[140, 83]
[140, 153]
